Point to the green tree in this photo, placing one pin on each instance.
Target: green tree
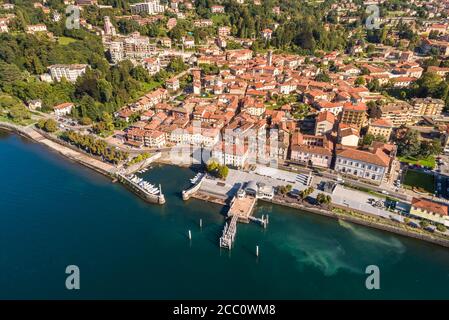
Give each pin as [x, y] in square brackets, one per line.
[360, 81]
[212, 166]
[50, 125]
[223, 172]
[176, 65]
[18, 113]
[424, 224]
[408, 144]
[323, 199]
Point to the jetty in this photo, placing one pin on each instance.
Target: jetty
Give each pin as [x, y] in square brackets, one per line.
[196, 182]
[229, 233]
[240, 210]
[242, 207]
[144, 189]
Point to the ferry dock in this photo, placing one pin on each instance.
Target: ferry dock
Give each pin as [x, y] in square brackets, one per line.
[241, 210]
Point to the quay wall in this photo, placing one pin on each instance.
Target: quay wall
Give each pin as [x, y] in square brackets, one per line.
[151, 198]
[186, 194]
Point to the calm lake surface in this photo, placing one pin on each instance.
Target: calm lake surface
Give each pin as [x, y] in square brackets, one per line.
[56, 213]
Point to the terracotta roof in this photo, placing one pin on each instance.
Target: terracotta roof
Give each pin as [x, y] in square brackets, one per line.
[355, 107]
[349, 131]
[431, 206]
[312, 149]
[63, 105]
[325, 116]
[382, 123]
[379, 158]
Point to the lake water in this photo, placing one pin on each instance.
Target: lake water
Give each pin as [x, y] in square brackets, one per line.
[56, 213]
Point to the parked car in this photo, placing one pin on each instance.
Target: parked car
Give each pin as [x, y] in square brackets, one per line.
[413, 224]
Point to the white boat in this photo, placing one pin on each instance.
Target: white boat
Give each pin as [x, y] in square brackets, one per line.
[153, 190]
[195, 178]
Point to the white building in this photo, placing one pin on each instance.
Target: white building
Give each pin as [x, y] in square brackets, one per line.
[63, 109]
[35, 104]
[154, 139]
[153, 65]
[150, 7]
[217, 9]
[231, 154]
[314, 155]
[69, 71]
[363, 164]
[36, 28]
[206, 137]
[56, 16]
[116, 51]
[4, 27]
[259, 190]
[348, 136]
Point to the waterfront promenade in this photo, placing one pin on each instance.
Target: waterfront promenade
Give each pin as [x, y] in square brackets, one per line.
[218, 191]
[71, 153]
[345, 199]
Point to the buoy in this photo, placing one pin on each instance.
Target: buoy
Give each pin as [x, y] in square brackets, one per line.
[190, 235]
[201, 223]
[257, 251]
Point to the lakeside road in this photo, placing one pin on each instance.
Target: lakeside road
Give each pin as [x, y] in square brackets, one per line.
[343, 198]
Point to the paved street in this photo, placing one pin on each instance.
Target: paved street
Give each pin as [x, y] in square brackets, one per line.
[269, 176]
[274, 177]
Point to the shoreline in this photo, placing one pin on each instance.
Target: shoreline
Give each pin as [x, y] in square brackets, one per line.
[64, 150]
[391, 227]
[92, 163]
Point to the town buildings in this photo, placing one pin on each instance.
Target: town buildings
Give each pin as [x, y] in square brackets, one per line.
[231, 154]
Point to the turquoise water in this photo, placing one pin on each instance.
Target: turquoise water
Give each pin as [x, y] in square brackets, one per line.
[56, 213]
